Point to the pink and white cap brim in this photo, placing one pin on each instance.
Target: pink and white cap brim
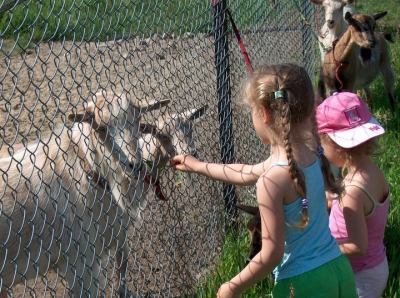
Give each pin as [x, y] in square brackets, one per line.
[358, 135]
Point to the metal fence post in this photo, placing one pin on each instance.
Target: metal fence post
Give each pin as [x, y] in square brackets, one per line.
[305, 33]
[224, 100]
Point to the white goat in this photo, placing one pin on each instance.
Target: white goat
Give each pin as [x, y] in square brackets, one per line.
[170, 135]
[358, 57]
[64, 201]
[335, 24]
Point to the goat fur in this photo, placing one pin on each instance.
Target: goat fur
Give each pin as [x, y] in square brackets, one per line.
[335, 24]
[362, 53]
[170, 135]
[55, 215]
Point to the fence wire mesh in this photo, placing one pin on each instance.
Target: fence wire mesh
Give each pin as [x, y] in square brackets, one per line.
[95, 98]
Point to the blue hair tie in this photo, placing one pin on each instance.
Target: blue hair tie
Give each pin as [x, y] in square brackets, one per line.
[279, 94]
[304, 203]
[320, 150]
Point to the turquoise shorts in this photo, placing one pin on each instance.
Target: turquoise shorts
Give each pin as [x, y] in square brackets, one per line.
[332, 280]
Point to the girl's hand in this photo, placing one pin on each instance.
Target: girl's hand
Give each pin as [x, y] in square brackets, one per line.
[184, 163]
[228, 290]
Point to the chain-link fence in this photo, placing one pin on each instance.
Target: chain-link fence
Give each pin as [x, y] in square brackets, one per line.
[80, 213]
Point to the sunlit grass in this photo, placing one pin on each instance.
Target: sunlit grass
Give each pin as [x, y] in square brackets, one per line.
[35, 21]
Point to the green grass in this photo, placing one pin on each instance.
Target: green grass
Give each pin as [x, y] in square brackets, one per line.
[100, 20]
[390, 157]
[235, 248]
[233, 259]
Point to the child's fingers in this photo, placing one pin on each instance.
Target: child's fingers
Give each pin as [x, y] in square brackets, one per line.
[178, 163]
[177, 160]
[182, 162]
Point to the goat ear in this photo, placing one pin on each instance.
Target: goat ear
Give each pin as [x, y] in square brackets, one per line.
[348, 17]
[248, 209]
[196, 113]
[377, 16]
[148, 128]
[153, 105]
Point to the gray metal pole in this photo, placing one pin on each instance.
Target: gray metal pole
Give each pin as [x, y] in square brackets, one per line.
[224, 100]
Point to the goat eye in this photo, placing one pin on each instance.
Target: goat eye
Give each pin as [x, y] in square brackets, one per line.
[165, 138]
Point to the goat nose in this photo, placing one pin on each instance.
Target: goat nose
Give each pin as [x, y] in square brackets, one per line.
[330, 22]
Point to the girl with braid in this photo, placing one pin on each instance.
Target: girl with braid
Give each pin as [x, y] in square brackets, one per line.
[296, 241]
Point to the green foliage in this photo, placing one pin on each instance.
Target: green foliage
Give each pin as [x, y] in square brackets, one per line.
[389, 23]
[388, 161]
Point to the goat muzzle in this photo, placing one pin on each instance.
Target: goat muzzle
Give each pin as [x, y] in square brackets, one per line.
[330, 24]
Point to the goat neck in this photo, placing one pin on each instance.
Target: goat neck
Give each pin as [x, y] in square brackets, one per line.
[344, 48]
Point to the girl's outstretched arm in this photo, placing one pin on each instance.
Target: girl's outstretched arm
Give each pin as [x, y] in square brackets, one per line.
[356, 243]
[239, 174]
[271, 189]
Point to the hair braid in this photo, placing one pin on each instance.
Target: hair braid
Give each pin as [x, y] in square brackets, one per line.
[331, 184]
[287, 92]
[295, 173]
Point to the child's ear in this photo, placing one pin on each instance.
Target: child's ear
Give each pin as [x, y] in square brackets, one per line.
[266, 116]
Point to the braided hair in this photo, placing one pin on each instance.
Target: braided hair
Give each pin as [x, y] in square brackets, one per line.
[286, 90]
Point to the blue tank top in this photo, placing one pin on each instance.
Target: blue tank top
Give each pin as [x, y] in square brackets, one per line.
[314, 246]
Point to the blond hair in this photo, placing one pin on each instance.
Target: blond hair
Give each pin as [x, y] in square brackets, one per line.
[348, 155]
[291, 108]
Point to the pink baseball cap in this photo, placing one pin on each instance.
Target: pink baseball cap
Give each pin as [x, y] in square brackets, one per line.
[347, 120]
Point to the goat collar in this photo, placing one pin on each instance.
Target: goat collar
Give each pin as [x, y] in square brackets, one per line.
[338, 64]
[323, 36]
[156, 184]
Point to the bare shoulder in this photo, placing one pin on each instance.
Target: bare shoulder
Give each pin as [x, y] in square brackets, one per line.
[371, 182]
[275, 182]
[354, 196]
[275, 172]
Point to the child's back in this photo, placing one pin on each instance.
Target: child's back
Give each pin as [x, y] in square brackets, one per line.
[291, 184]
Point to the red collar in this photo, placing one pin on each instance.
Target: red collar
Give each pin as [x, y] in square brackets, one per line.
[156, 185]
[338, 64]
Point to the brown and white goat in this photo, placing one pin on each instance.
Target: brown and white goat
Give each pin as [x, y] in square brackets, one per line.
[357, 58]
[67, 201]
[170, 135]
[335, 24]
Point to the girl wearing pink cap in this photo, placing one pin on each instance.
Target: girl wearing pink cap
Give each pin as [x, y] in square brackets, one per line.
[296, 241]
[358, 219]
